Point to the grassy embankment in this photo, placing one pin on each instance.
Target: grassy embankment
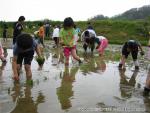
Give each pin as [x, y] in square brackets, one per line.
[117, 32]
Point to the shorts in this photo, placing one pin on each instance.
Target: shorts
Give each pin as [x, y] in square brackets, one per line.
[26, 56]
[14, 40]
[133, 53]
[87, 40]
[67, 50]
[56, 39]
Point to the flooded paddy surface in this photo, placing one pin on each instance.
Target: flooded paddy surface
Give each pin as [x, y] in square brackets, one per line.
[95, 86]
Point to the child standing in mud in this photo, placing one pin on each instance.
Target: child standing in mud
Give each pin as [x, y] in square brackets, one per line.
[67, 39]
[23, 50]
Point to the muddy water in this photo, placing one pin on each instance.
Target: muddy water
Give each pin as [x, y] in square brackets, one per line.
[95, 86]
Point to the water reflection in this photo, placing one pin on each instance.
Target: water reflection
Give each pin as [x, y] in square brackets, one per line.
[127, 86]
[57, 56]
[94, 64]
[27, 99]
[101, 65]
[147, 104]
[65, 92]
[2, 67]
[24, 99]
[90, 65]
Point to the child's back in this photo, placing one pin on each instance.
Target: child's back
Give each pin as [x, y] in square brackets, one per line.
[68, 37]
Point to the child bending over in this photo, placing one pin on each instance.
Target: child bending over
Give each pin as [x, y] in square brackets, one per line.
[132, 47]
[102, 44]
[24, 51]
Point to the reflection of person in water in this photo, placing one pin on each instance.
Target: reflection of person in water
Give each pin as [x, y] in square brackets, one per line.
[25, 104]
[89, 66]
[64, 92]
[57, 57]
[147, 104]
[93, 64]
[147, 85]
[101, 65]
[61, 57]
[125, 85]
[2, 68]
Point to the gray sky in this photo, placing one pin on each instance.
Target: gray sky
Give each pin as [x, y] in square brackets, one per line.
[10, 10]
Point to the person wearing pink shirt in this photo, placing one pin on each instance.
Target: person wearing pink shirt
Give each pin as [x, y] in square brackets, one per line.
[102, 44]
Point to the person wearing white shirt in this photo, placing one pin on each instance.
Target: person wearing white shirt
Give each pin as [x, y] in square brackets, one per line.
[55, 35]
[88, 37]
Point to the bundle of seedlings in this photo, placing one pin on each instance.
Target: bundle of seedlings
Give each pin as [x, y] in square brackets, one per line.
[40, 61]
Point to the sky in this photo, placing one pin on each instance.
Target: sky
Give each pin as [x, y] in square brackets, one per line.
[57, 10]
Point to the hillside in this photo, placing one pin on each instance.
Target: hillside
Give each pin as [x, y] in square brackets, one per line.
[135, 14]
[132, 14]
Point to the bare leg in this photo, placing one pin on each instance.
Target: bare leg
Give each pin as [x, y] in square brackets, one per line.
[67, 61]
[3, 58]
[122, 62]
[28, 72]
[73, 53]
[85, 47]
[19, 67]
[14, 68]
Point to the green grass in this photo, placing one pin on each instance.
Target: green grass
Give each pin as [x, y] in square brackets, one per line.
[117, 32]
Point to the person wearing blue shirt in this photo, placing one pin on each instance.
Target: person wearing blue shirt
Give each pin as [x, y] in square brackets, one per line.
[23, 50]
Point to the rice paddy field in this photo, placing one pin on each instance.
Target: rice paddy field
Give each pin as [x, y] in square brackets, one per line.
[96, 86]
